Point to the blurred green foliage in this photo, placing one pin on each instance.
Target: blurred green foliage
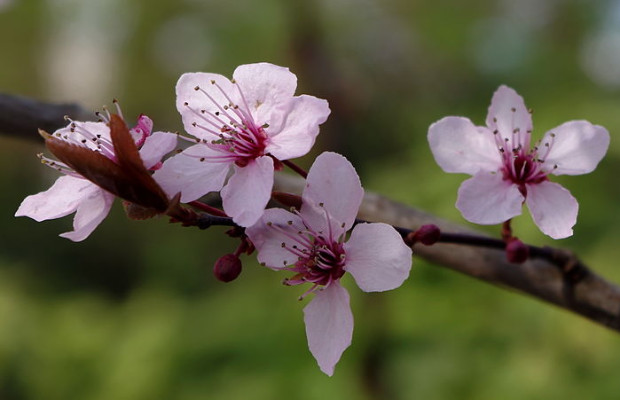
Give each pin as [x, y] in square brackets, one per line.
[134, 313]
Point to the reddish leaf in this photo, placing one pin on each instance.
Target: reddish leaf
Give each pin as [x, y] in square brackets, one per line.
[90, 164]
[127, 179]
[144, 191]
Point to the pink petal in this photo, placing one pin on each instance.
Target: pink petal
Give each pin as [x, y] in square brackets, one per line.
[197, 100]
[334, 186]
[248, 191]
[61, 199]
[377, 257]
[266, 89]
[90, 212]
[156, 146]
[142, 130]
[67, 195]
[459, 146]
[502, 117]
[185, 173]
[576, 149]
[300, 129]
[275, 227]
[329, 326]
[553, 209]
[487, 199]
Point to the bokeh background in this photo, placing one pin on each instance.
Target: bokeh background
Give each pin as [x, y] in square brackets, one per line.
[134, 313]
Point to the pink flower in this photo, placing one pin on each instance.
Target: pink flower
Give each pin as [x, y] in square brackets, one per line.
[508, 172]
[245, 124]
[312, 242]
[73, 193]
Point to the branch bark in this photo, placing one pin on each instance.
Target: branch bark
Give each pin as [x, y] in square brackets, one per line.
[23, 117]
[565, 281]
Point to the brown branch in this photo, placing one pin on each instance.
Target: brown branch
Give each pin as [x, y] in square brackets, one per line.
[560, 279]
[565, 282]
[23, 117]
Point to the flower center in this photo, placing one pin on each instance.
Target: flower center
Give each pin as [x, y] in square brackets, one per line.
[320, 257]
[521, 164]
[241, 144]
[320, 264]
[230, 128]
[522, 168]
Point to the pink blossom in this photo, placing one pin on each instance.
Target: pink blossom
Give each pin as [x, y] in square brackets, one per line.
[73, 193]
[507, 172]
[245, 124]
[311, 244]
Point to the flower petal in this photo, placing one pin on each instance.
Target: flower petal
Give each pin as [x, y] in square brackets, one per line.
[377, 257]
[61, 199]
[67, 195]
[248, 191]
[508, 113]
[191, 103]
[333, 185]
[553, 208]
[329, 326]
[576, 148]
[267, 88]
[274, 235]
[185, 173]
[156, 146]
[459, 146]
[487, 199]
[297, 135]
[90, 212]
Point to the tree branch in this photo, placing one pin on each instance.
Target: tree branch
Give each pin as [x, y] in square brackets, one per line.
[559, 278]
[23, 117]
[566, 282]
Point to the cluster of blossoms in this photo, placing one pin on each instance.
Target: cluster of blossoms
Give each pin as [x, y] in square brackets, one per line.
[246, 128]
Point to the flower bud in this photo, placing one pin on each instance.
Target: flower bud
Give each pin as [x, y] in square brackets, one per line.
[227, 268]
[426, 234]
[516, 251]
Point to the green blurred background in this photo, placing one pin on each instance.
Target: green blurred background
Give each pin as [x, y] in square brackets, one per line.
[134, 313]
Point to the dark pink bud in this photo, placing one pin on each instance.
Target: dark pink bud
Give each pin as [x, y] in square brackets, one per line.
[426, 234]
[516, 251]
[227, 268]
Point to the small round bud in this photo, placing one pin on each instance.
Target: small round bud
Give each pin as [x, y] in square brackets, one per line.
[227, 268]
[426, 234]
[516, 251]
